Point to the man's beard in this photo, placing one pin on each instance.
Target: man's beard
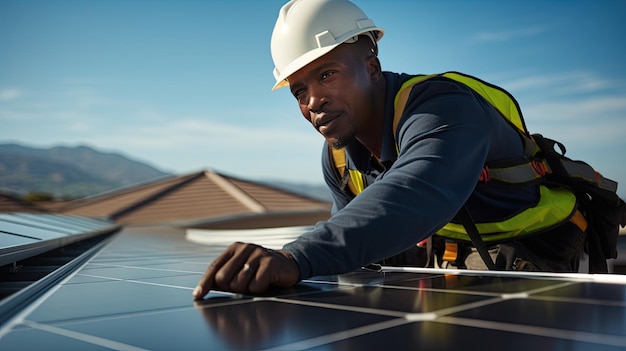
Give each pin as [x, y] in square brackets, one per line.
[340, 143]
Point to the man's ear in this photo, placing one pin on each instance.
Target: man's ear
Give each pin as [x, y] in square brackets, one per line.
[374, 69]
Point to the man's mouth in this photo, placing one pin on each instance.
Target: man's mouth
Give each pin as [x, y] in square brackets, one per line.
[324, 123]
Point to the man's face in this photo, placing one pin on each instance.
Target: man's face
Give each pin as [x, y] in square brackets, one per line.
[334, 93]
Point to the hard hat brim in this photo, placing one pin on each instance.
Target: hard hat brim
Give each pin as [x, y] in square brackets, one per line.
[299, 63]
[312, 55]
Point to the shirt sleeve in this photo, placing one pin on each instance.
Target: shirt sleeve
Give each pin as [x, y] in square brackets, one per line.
[444, 138]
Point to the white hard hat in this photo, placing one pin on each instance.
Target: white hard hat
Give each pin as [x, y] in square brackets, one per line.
[308, 29]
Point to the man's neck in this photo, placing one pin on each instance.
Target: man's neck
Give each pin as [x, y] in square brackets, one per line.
[372, 137]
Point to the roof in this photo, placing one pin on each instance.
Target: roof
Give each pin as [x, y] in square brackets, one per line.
[198, 199]
[10, 203]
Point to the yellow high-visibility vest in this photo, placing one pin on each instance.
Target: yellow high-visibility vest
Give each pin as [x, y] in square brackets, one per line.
[555, 206]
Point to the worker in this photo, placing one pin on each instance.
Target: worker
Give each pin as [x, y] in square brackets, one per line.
[416, 170]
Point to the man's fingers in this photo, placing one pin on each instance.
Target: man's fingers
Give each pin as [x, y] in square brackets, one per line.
[261, 281]
[205, 283]
[208, 279]
[278, 269]
[245, 268]
[240, 281]
[231, 274]
[225, 270]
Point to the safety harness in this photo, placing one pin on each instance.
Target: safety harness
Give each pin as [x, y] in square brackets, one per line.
[540, 165]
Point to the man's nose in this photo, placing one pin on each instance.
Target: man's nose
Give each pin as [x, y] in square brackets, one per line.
[316, 102]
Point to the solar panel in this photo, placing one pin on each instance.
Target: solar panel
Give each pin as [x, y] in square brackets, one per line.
[24, 235]
[135, 294]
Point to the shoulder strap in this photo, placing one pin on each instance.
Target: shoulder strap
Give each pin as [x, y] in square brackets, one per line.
[347, 177]
[402, 97]
[499, 98]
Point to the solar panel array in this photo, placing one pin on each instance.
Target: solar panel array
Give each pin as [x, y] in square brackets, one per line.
[135, 294]
[24, 235]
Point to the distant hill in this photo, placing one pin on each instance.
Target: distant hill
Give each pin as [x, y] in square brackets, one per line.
[69, 171]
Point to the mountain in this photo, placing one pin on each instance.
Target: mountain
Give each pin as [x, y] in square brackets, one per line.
[69, 171]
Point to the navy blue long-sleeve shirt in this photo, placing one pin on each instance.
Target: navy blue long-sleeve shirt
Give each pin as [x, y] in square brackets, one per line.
[446, 135]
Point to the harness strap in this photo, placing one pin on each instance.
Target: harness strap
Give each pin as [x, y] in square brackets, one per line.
[477, 240]
[528, 172]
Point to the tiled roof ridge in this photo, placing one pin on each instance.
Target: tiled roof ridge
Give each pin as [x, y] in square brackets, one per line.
[124, 190]
[148, 199]
[276, 188]
[236, 192]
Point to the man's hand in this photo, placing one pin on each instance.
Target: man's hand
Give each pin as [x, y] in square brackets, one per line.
[248, 268]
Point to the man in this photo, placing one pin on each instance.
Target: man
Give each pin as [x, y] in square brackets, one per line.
[417, 170]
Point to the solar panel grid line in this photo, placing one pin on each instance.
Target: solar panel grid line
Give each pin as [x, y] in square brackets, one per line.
[449, 291]
[337, 307]
[136, 281]
[40, 233]
[339, 336]
[463, 307]
[18, 234]
[91, 339]
[56, 229]
[144, 268]
[601, 339]
[125, 315]
[547, 288]
[580, 300]
[156, 284]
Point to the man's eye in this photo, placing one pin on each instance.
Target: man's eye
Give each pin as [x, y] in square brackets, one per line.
[297, 93]
[300, 96]
[326, 75]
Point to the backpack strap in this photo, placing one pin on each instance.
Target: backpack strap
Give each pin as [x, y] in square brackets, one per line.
[567, 170]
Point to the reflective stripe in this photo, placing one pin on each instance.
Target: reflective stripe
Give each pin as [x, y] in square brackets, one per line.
[515, 174]
[555, 206]
[519, 174]
[401, 98]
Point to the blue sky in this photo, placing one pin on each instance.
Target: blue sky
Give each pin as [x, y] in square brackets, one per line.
[186, 85]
